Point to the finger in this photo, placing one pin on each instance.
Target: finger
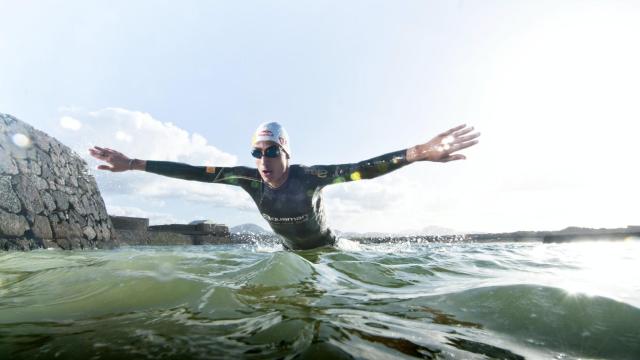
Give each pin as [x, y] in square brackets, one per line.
[113, 152]
[451, 158]
[461, 146]
[105, 167]
[463, 131]
[96, 154]
[454, 157]
[462, 139]
[100, 150]
[452, 130]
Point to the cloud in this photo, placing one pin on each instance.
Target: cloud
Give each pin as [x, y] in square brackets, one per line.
[387, 203]
[67, 122]
[123, 136]
[155, 218]
[197, 192]
[139, 135]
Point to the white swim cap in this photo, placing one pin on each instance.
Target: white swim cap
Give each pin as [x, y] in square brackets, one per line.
[272, 131]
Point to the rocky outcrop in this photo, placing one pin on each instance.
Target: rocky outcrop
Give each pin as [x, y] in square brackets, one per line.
[47, 197]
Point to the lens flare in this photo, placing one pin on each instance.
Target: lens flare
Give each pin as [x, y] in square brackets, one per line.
[21, 140]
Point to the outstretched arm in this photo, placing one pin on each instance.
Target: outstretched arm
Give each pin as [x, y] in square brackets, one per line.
[118, 162]
[439, 149]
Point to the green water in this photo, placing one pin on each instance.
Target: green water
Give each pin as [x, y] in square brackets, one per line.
[394, 301]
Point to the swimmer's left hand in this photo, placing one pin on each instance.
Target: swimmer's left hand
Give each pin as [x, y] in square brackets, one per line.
[442, 147]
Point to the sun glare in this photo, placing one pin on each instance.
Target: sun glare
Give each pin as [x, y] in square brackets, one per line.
[606, 269]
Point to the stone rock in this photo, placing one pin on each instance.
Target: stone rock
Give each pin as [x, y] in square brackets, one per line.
[23, 167]
[41, 228]
[35, 168]
[62, 200]
[41, 184]
[89, 233]
[65, 244]
[66, 230]
[8, 198]
[28, 193]
[84, 184]
[7, 165]
[76, 218]
[85, 244]
[49, 201]
[104, 232]
[93, 210]
[43, 156]
[24, 244]
[50, 244]
[73, 181]
[12, 225]
[77, 205]
[62, 216]
[7, 119]
[41, 140]
[47, 173]
[84, 205]
[102, 211]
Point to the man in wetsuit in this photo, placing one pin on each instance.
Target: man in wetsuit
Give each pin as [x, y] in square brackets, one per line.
[288, 196]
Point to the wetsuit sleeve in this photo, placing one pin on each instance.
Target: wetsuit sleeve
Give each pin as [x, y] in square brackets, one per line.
[367, 169]
[224, 175]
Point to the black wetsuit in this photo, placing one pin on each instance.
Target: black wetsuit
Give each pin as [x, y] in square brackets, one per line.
[294, 210]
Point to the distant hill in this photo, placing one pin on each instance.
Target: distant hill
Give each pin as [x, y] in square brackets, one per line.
[249, 229]
[429, 230]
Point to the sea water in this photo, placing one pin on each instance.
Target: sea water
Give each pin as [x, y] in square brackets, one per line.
[384, 301]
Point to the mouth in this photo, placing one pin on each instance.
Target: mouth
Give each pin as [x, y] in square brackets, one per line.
[267, 173]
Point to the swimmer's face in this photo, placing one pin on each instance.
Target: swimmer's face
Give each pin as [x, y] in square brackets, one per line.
[274, 171]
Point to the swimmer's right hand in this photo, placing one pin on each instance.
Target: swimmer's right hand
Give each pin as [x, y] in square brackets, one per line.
[118, 162]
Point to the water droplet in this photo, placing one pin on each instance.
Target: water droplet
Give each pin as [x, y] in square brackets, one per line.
[21, 140]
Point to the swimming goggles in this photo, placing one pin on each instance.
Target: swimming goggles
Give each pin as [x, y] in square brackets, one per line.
[270, 152]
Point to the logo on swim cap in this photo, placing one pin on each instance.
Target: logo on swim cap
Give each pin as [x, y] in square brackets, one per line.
[272, 131]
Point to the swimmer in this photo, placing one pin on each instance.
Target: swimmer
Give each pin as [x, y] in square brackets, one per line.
[289, 197]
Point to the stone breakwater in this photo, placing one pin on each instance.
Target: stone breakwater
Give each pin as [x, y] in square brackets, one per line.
[47, 197]
[136, 231]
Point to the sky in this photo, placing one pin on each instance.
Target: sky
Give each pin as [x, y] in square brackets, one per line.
[553, 86]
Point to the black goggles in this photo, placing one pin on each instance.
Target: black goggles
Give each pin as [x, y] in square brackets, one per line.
[270, 152]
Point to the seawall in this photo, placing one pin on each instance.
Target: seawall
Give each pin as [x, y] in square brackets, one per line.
[47, 197]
